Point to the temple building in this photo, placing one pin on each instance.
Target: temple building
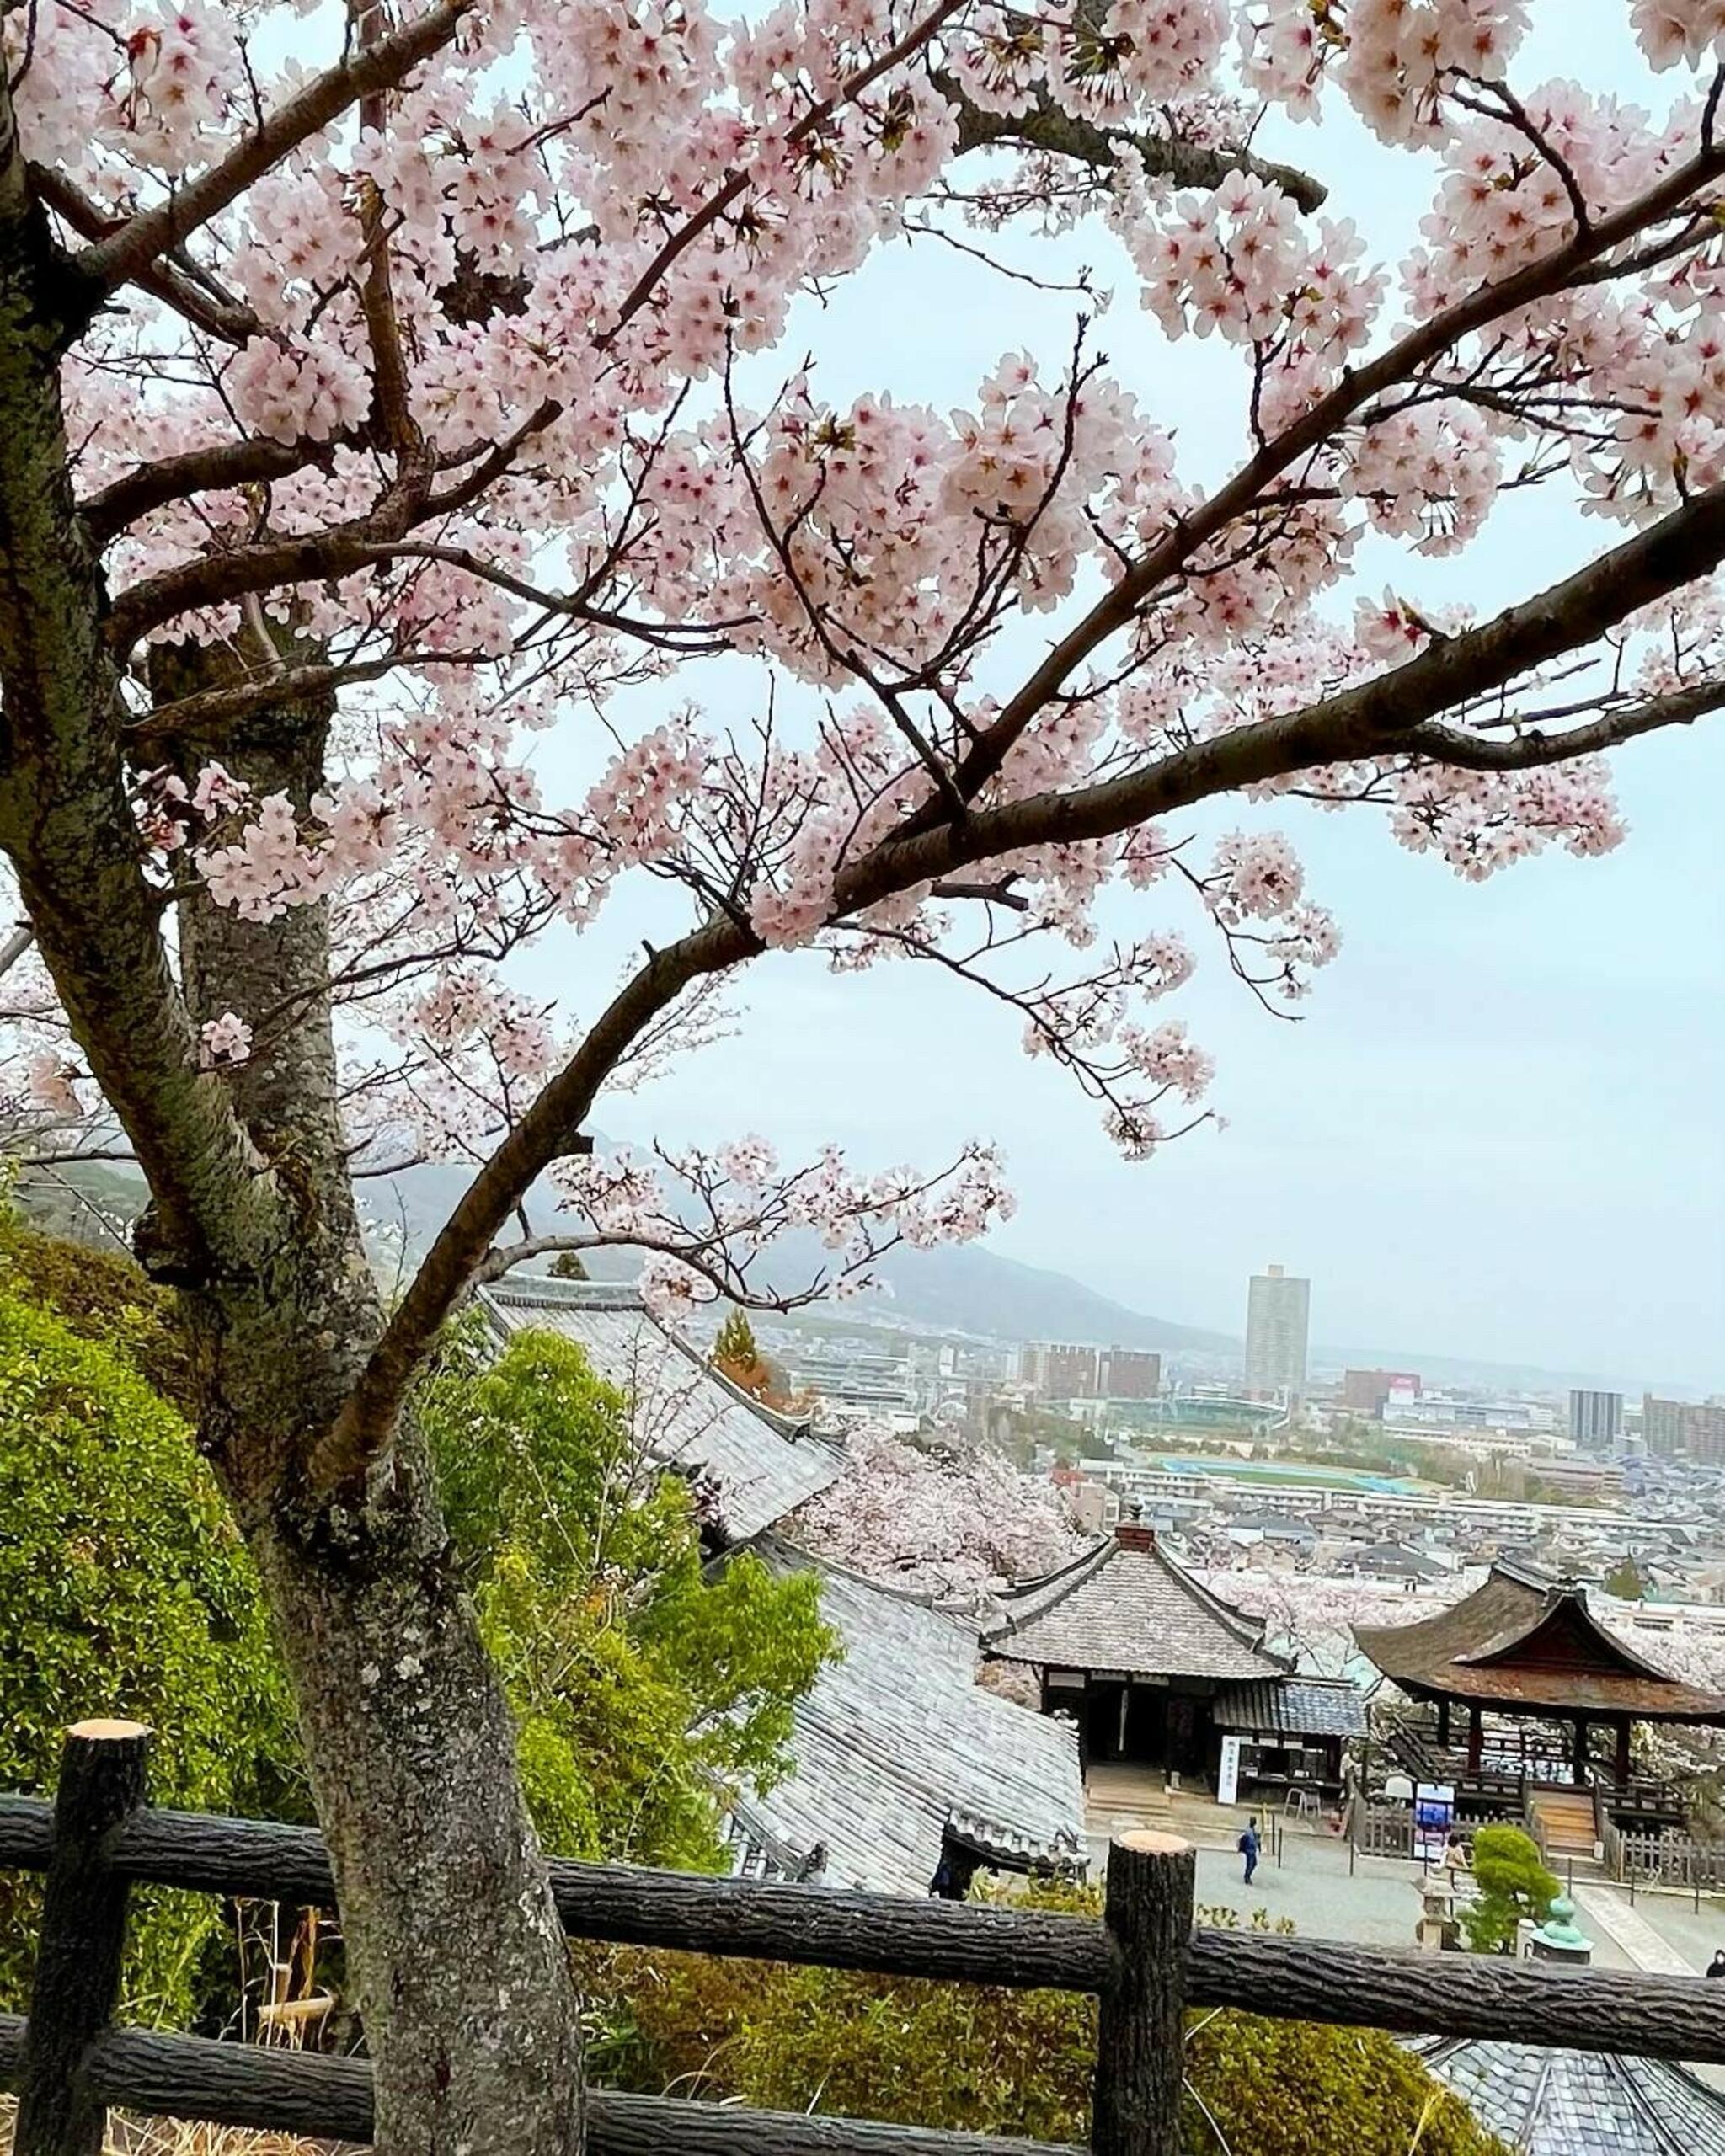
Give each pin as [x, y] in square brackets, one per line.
[1156, 1670]
[1522, 1677]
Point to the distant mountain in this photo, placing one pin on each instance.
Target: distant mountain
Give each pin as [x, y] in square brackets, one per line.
[1464, 1370]
[962, 1289]
[968, 1288]
[965, 1289]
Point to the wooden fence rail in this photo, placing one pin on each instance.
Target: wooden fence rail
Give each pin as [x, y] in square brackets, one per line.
[1664, 1859]
[1143, 1961]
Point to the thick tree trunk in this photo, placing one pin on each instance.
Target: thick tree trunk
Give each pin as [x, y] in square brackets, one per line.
[458, 1963]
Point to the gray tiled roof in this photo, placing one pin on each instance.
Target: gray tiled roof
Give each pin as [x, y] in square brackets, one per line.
[896, 1743]
[1559, 2103]
[764, 1465]
[1129, 1610]
[1293, 1706]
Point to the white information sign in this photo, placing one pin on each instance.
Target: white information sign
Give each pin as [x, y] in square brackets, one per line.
[1228, 1773]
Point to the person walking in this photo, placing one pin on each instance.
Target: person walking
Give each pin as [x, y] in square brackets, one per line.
[1249, 1848]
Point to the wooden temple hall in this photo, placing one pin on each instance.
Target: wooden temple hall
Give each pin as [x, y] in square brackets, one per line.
[1157, 1670]
[1524, 1688]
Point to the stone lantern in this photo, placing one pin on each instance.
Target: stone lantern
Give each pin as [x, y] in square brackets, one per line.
[1437, 1930]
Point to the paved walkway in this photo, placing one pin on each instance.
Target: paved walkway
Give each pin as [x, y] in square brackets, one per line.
[1604, 1908]
[1377, 1903]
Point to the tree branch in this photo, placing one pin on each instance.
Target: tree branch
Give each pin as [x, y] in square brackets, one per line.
[1531, 749]
[228, 320]
[149, 486]
[1375, 718]
[214, 708]
[15, 946]
[719, 1276]
[1249, 486]
[1051, 130]
[141, 240]
[550, 1128]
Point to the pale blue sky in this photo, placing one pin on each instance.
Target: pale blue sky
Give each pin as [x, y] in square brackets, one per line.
[1496, 1131]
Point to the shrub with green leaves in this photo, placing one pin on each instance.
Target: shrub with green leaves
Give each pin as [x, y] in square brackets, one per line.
[1513, 1884]
[124, 1590]
[1002, 2061]
[645, 1682]
[101, 1295]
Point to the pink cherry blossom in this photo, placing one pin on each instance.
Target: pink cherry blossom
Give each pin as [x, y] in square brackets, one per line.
[225, 1039]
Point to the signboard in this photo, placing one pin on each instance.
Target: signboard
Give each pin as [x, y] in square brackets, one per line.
[1228, 1773]
[1433, 1816]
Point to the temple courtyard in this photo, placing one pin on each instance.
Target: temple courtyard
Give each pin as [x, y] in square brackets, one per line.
[1308, 1878]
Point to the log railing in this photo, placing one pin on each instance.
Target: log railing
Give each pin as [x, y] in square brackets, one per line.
[1144, 1961]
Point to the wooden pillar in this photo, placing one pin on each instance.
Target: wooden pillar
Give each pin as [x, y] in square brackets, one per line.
[1623, 1752]
[1582, 1733]
[1126, 1714]
[1476, 1739]
[76, 1982]
[1444, 1725]
[1140, 2031]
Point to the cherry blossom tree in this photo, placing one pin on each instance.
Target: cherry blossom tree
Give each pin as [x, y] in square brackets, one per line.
[384, 387]
[955, 1522]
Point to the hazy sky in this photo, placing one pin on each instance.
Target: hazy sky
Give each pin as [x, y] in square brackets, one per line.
[1496, 1130]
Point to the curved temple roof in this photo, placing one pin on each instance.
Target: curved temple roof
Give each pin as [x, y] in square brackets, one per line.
[1127, 1608]
[1525, 1641]
[686, 1414]
[896, 1749]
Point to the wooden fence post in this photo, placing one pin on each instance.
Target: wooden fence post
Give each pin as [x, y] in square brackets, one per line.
[76, 1982]
[1140, 2031]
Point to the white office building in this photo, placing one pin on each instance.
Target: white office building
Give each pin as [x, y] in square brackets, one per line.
[1277, 1310]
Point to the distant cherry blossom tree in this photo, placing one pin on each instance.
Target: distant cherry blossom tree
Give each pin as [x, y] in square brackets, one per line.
[955, 1522]
[386, 387]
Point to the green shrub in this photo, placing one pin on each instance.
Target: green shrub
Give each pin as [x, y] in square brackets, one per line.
[1513, 1884]
[997, 2061]
[645, 1682]
[101, 1295]
[124, 1590]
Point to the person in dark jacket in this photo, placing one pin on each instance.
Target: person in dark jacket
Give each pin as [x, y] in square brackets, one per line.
[1249, 1848]
[1715, 1968]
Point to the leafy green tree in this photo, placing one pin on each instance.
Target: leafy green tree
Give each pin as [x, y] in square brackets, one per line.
[736, 1355]
[643, 1681]
[1513, 1883]
[736, 1342]
[124, 1590]
[1624, 1580]
[568, 1265]
[1002, 2061]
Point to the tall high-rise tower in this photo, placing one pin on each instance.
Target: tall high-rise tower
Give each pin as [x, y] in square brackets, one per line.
[1277, 1309]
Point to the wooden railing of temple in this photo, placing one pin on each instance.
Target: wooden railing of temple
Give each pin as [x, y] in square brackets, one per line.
[1144, 1961]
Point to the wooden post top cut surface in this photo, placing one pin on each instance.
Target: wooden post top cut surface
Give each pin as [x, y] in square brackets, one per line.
[1144, 1841]
[107, 1732]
